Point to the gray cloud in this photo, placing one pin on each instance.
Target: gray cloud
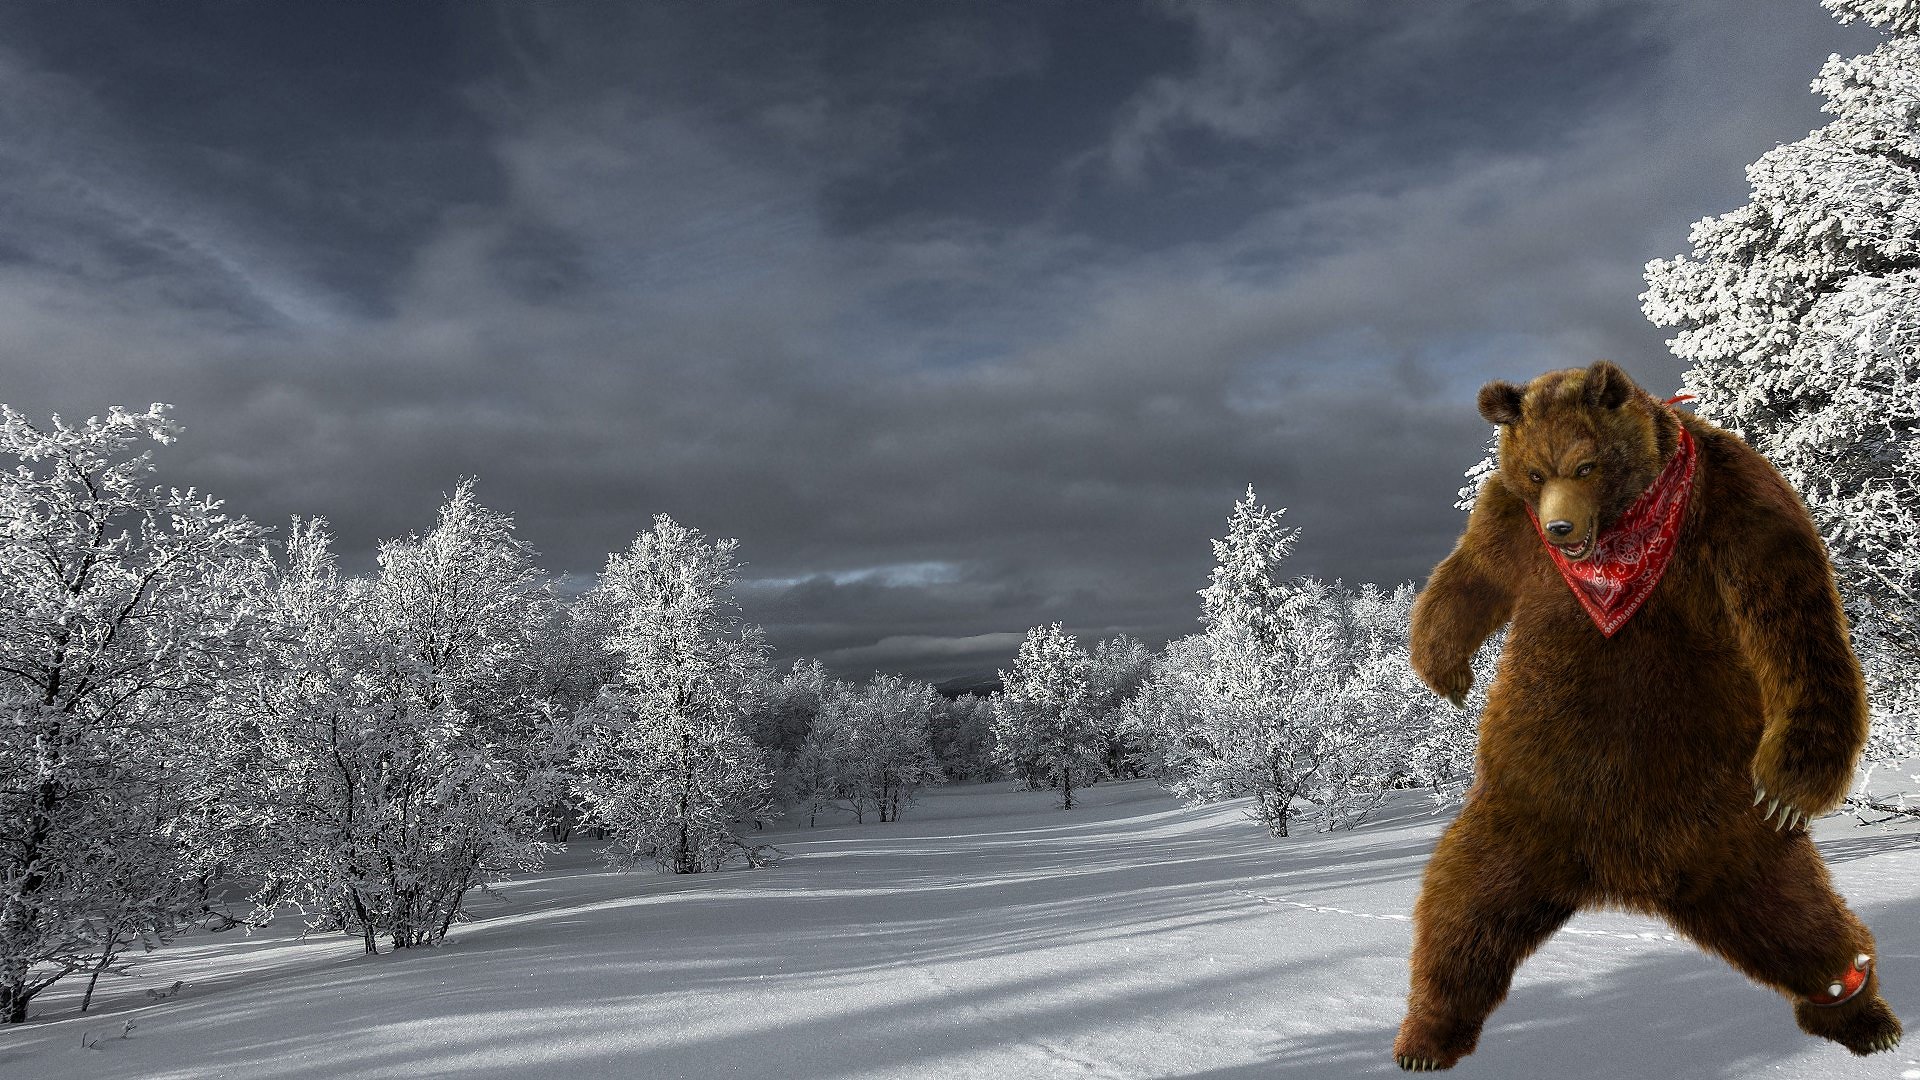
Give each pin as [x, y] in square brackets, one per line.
[962, 319]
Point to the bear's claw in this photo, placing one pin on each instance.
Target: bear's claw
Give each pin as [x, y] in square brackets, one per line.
[1417, 1064]
[1789, 817]
[1883, 1044]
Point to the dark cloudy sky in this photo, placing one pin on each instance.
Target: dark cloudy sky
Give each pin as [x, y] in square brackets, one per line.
[963, 317]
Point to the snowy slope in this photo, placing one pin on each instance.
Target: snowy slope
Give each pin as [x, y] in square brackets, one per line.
[988, 935]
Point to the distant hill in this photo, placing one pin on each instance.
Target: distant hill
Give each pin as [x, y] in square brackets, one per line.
[977, 685]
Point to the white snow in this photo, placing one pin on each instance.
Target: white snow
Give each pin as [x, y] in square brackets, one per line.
[988, 935]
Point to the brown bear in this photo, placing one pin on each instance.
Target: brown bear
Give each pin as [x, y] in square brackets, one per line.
[1676, 698]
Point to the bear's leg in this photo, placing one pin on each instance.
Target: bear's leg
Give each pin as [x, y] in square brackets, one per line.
[1484, 906]
[1783, 925]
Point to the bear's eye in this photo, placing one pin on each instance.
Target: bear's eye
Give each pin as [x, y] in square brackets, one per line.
[1584, 469]
[1536, 477]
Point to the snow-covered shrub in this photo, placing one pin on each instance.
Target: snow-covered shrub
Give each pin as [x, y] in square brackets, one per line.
[395, 757]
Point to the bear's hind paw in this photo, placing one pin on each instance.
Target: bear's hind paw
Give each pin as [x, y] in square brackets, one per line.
[1863, 1025]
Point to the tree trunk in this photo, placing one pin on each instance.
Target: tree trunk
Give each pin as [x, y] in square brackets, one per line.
[106, 957]
[1274, 807]
[366, 926]
[18, 915]
[683, 854]
[453, 909]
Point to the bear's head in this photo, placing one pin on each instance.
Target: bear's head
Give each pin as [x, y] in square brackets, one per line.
[1578, 446]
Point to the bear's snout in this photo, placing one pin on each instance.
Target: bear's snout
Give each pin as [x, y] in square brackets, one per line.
[1567, 517]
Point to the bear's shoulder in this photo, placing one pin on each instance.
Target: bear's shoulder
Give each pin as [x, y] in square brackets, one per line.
[1499, 529]
[1737, 479]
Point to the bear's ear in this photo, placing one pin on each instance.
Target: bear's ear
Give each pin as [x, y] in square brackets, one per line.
[1607, 387]
[1500, 402]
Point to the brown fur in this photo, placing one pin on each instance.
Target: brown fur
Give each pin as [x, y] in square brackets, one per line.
[1621, 771]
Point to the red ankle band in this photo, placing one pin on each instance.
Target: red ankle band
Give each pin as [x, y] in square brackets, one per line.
[1845, 986]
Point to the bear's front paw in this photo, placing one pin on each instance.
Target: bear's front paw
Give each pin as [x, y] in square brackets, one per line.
[1791, 791]
[1451, 683]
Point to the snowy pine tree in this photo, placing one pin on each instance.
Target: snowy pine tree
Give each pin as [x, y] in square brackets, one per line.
[1800, 315]
[1270, 659]
[1298, 691]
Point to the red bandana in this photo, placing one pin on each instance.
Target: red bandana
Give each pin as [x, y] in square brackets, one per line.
[1630, 556]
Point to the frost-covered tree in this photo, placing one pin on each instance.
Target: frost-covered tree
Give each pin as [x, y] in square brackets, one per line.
[1276, 679]
[816, 777]
[570, 661]
[1044, 719]
[834, 756]
[1298, 692]
[1276, 698]
[1116, 671]
[1477, 476]
[120, 604]
[1800, 315]
[1270, 659]
[1171, 700]
[396, 754]
[963, 738]
[892, 754]
[780, 711]
[570, 664]
[1245, 594]
[870, 747]
[1347, 751]
[782, 708]
[666, 765]
[1379, 730]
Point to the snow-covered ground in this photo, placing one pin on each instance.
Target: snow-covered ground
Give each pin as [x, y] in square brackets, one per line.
[988, 935]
